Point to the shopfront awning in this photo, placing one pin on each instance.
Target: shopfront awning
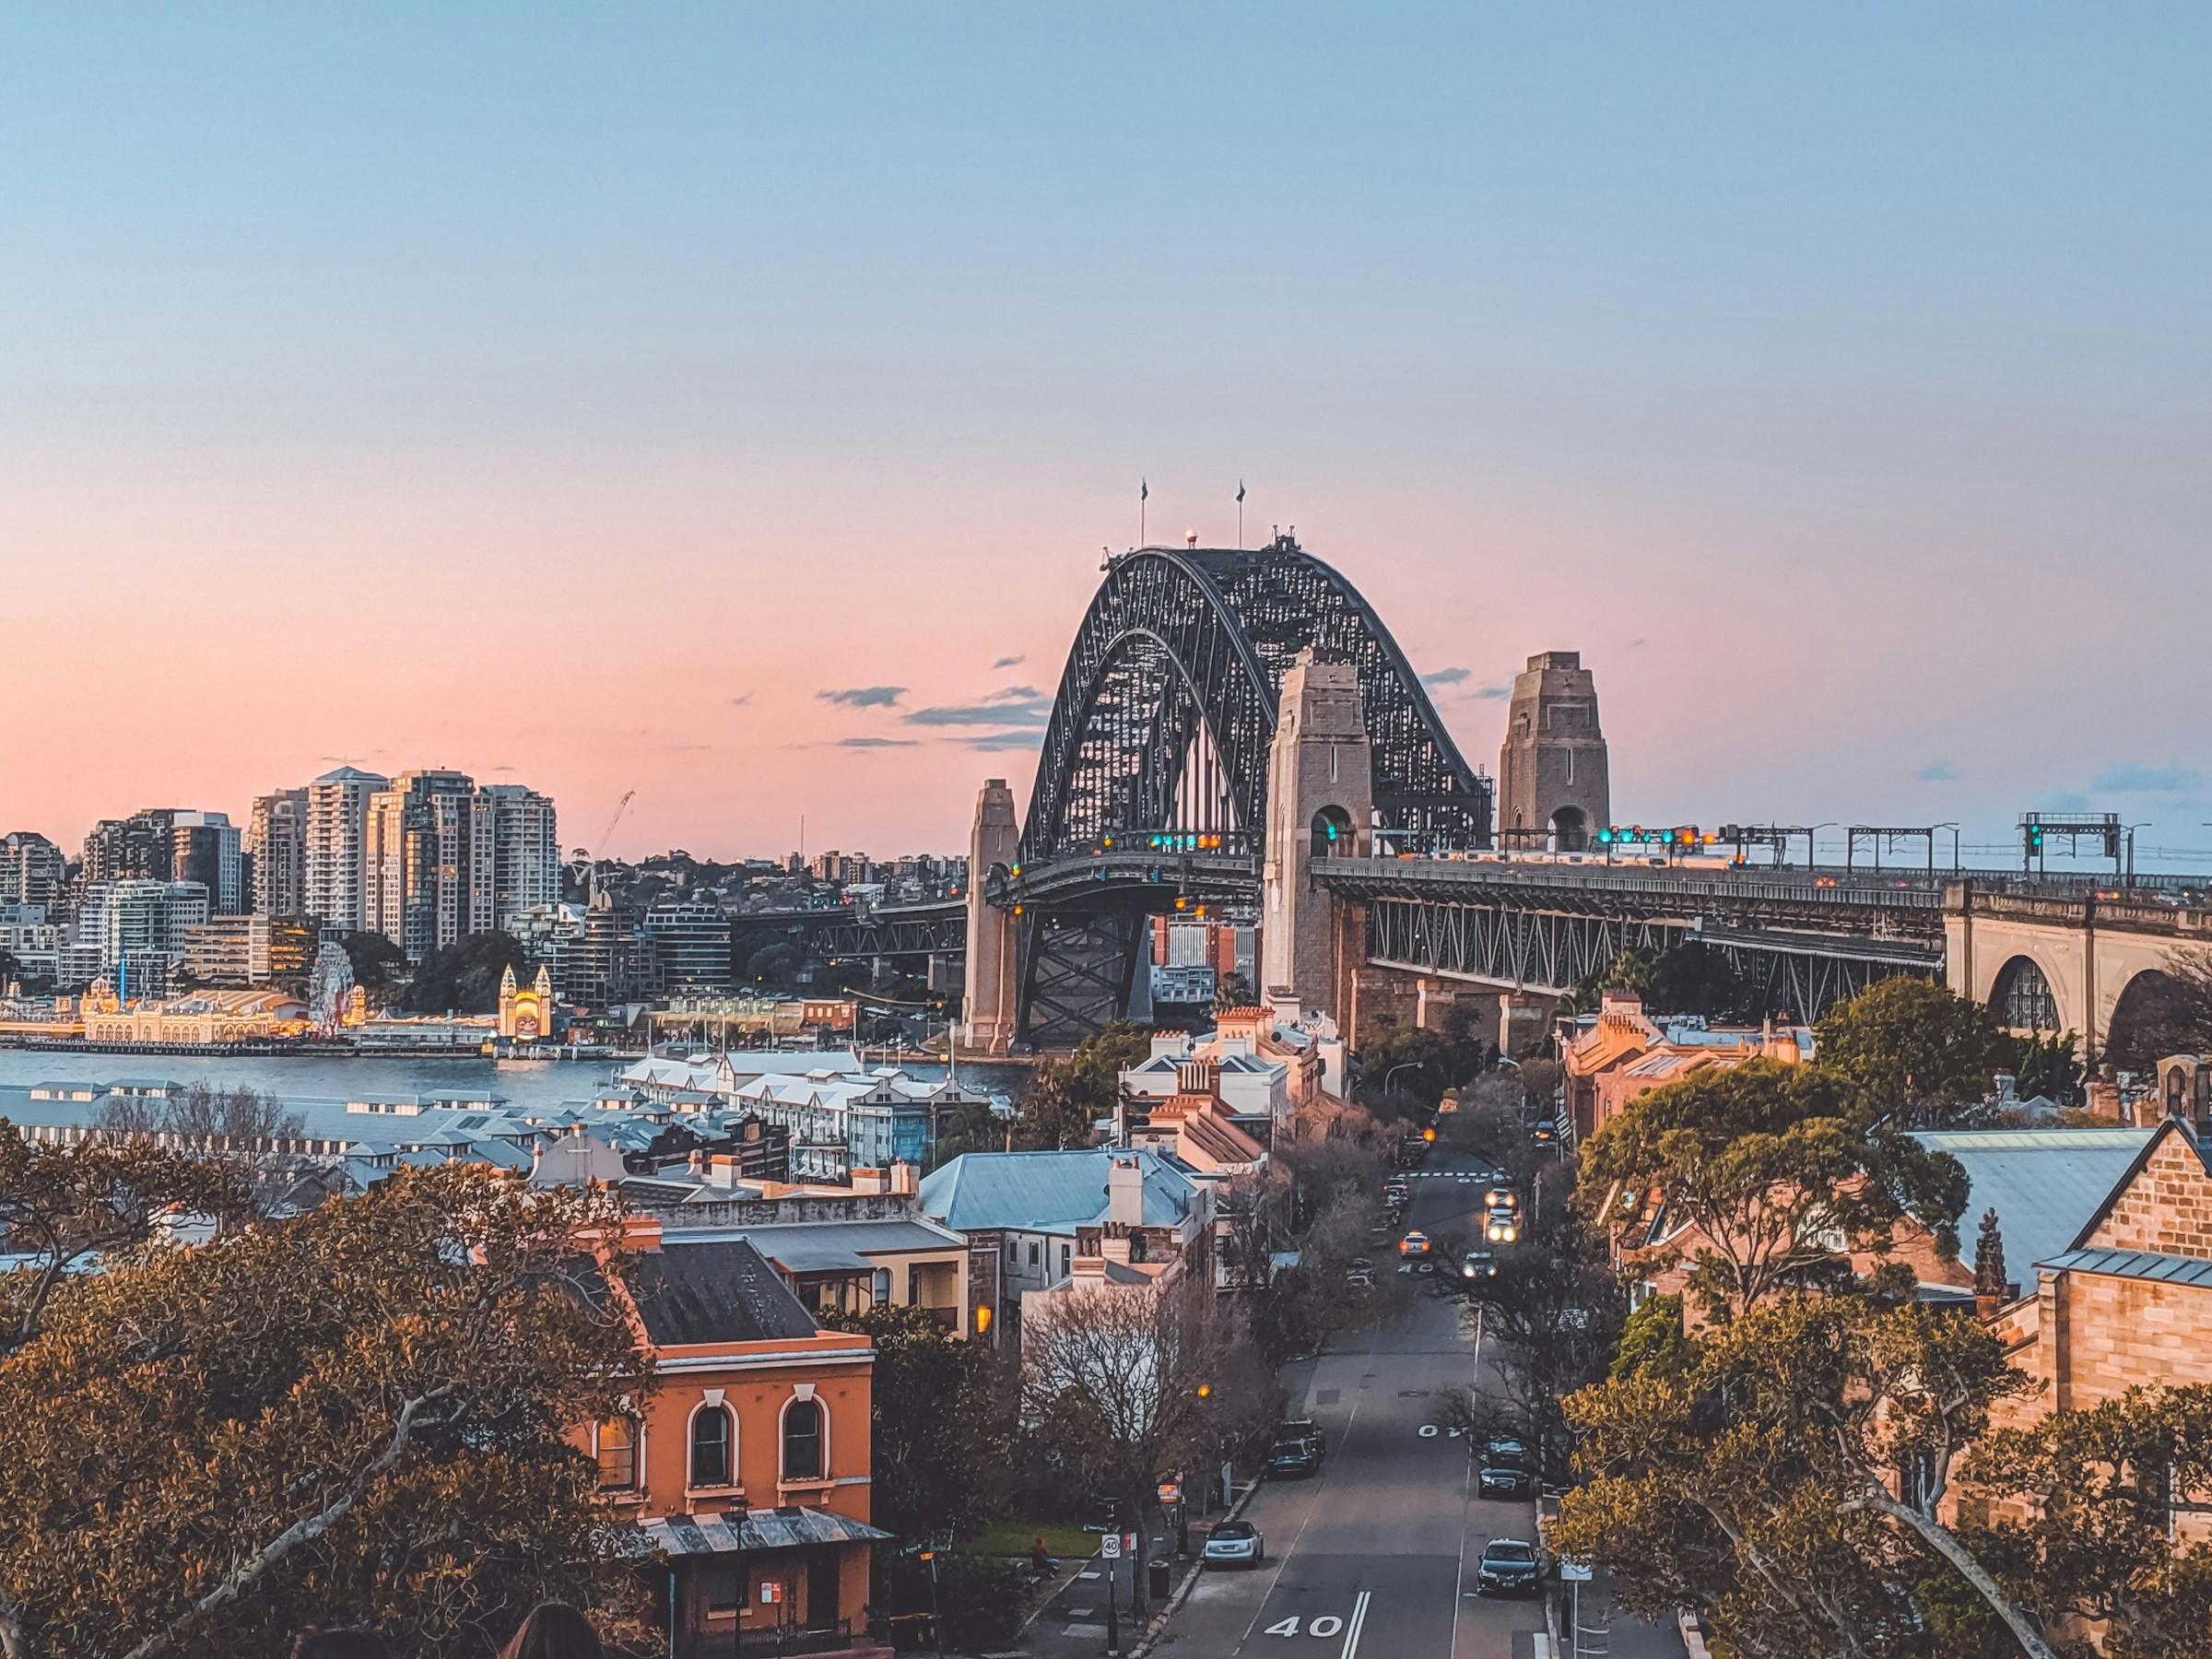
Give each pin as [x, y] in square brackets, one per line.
[755, 1529]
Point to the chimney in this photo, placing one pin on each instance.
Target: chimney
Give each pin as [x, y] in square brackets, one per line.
[2008, 1088]
[1198, 1077]
[1125, 1191]
[867, 1181]
[722, 1169]
[903, 1178]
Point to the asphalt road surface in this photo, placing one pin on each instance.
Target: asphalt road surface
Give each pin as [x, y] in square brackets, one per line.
[1376, 1555]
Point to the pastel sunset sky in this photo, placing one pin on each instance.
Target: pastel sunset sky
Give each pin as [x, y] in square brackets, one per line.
[730, 403]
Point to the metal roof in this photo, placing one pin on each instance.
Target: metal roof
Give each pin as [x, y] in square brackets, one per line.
[828, 1246]
[2044, 1183]
[2135, 1264]
[755, 1529]
[1047, 1192]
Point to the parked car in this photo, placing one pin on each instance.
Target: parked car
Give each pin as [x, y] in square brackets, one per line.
[1503, 1481]
[1304, 1428]
[1235, 1544]
[1509, 1567]
[1293, 1458]
[1506, 1453]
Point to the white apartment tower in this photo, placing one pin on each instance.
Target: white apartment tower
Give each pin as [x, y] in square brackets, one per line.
[277, 842]
[337, 817]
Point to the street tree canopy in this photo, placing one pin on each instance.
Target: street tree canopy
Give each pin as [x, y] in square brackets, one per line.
[1915, 1053]
[357, 1415]
[1776, 1171]
[1788, 1485]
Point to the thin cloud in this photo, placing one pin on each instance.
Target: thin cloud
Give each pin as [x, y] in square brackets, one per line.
[1492, 693]
[865, 697]
[1012, 662]
[1447, 676]
[991, 741]
[1017, 694]
[2125, 778]
[1031, 713]
[877, 743]
[1937, 772]
[742, 699]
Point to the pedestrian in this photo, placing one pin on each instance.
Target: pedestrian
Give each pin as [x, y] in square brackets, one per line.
[1040, 1559]
[339, 1644]
[554, 1630]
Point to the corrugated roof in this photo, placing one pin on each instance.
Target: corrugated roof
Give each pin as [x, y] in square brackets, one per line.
[720, 1291]
[2044, 1183]
[2137, 1265]
[828, 1246]
[1046, 1191]
[788, 1528]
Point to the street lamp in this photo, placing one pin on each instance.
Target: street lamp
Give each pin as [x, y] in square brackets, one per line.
[1394, 1071]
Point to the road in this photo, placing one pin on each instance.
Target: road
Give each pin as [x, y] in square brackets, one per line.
[1376, 1555]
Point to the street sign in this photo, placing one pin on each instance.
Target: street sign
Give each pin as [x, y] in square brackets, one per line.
[1574, 1572]
[1110, 1546]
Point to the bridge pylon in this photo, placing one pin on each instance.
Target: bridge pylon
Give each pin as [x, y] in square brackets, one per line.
[1320, 806]
[987, 1007]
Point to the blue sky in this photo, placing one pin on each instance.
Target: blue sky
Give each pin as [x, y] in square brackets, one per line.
[1836, 380]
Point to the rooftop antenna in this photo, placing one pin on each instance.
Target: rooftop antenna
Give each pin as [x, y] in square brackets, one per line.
[1144, 494]
[1239, 515]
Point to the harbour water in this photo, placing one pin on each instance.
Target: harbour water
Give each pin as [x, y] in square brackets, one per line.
[326, 1080]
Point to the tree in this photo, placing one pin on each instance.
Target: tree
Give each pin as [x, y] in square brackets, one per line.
[1234, 991]
[1776, 1174]
[1916, 1052]
[938, 1441]
[1125, 1382]
[63, 1207]
[2049, 1066]
[1056, 1111]
[1550, 1320]
[2098, 1490]
[1652, 1342]
[463, 977]
[356, 1415]
[379, 965]
[1101, 1058]
[1788, 1486]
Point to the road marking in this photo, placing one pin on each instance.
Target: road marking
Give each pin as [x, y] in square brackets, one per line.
[1351, 1637]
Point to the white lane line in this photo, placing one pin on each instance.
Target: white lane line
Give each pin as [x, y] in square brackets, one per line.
[1459, 1590]
[1351, 1637]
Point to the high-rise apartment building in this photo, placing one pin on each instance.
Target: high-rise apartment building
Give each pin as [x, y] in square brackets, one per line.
[140, 928]
[418, 860]
[204, 847]
[276, 842]
[446, 858]
[139, 848]
[335, 870]
[692, 938]
[31, 870]
[525, 851]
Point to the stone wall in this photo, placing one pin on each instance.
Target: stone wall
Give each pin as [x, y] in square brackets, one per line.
[2167, 1208]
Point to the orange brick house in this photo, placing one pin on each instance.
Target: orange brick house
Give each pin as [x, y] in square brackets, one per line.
[748, 1471]
[1620, 1053]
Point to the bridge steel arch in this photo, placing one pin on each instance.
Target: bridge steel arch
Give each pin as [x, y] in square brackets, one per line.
[1178, 641]
[1164, 719]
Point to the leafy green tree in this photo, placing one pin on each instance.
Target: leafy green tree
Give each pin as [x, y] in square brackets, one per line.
[1056, 1112]
[379, 965]
[1916, 1052]
[1652, 1342]
[971, 1127]
[2049, 1066]
[1099, 1060]
[360, 1414]
[1777, 1173]
[1234, 991]
[937, 1435]
[1789, 1484]
[2098, 1487]
[464, 976]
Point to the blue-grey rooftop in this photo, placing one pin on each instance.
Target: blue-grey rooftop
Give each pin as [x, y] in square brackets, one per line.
[2044, 1183]
[1047, 1192]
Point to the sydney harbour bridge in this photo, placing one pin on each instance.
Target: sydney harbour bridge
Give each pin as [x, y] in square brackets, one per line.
[1236, 733]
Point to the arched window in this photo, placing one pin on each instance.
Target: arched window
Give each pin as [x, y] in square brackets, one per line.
[618, 1445]
[1570, 829]
[1333, 834]
[803, 1441]
[711, 1433]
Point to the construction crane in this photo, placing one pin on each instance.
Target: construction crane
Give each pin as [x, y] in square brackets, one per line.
[606, 835]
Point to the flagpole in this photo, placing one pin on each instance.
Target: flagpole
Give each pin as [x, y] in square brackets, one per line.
[1239, 515]
[1144, 494]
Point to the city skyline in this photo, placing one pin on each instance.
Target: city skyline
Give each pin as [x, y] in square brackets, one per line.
[533, 405]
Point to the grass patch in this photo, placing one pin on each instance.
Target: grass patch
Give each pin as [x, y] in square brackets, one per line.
[1063, 1539]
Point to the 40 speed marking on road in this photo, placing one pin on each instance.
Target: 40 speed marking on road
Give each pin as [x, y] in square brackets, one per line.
[1326, 1626]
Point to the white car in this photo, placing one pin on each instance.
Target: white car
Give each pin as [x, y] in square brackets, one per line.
[1235, 1544]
